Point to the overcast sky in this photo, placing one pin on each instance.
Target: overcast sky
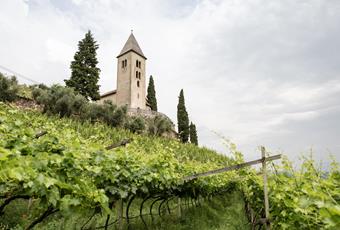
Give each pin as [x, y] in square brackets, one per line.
[259, 72]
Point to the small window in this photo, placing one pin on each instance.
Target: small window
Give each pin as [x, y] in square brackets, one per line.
[139, 75]
[136, 74]
[140, 65]
[137, 63]
[125, 63]
[137, 83]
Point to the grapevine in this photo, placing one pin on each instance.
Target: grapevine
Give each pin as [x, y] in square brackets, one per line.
[65, 166]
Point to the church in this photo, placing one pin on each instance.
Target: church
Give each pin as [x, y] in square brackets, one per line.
[131, 81]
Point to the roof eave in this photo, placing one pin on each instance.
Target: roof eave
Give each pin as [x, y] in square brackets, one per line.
[108, 94]
[132, 51]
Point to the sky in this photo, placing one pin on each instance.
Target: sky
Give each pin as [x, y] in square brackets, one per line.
[256, 72]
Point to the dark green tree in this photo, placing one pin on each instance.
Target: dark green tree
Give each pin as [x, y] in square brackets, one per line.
[85, 73]
[151, 97]
[182, 119]
[193, 134]
[8, 88]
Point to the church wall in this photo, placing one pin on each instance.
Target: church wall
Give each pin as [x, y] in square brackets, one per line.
[124, 80]
[111, 98]
[137, 83]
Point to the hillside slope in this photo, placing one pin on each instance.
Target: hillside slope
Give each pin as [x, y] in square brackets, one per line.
[70, 170]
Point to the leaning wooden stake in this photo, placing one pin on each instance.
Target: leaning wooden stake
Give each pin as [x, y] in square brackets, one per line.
[230, 168]
[179, 208]
[265, 187]
[120, 214]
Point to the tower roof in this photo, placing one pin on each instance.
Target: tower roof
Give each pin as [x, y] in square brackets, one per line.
[131, 45]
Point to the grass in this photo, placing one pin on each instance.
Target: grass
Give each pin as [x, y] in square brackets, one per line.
[222, 212]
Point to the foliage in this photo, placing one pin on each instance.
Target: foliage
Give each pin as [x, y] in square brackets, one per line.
[63, 101]
[151, 96]
[193, 134]
[306, 198]
[182, 118]
[59, 100]
[108, 113]
[8, 88]
[135, 124]
[85, 73]
[69, 169]
[159, 125]
[24, 91]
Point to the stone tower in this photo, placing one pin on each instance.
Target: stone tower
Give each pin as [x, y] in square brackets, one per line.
[131, 75]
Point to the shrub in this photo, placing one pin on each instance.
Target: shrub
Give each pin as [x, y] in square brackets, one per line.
[8, 88]
[135, 124]
[108, 113]
[159, 125]
[59, 100]
[64, 102]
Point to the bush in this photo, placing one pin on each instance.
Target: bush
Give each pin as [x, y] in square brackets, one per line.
[59, 100]
[63, 101]
[135, 124]
[159, 125]
[107, 113]
[8, 88]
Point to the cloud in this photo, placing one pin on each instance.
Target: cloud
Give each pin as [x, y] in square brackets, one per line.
[58, 51]
[259, 72]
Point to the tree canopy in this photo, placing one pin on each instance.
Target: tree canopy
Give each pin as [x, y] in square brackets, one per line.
[85, 73]
[182, 119]
[151, 97]
[193, 134]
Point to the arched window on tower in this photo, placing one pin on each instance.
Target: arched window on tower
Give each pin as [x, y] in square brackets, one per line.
[137, 63]
[125, 63]
[138, 75]
[137, 83]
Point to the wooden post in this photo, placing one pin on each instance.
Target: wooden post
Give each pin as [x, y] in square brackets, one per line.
[232, 167]
[179, 208]
[265, 187]
[120, 214]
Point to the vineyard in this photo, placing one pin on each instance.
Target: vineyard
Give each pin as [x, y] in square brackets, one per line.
[99, 177]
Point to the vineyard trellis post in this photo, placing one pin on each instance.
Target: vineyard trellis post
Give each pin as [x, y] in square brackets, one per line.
[265, 187]
[120, 214]
[179, 208]
[263, 160]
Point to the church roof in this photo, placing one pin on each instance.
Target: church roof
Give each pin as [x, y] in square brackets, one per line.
[108, 93]
[131, 45]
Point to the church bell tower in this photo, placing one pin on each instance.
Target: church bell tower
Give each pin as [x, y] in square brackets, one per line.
[131, 75]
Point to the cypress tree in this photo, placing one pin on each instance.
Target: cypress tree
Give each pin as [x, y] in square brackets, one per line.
[85, 73]
[193, 134]
[182, 119]
[151, 97]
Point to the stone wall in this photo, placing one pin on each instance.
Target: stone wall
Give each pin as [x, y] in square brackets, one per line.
[111, 98]
[148, 113]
